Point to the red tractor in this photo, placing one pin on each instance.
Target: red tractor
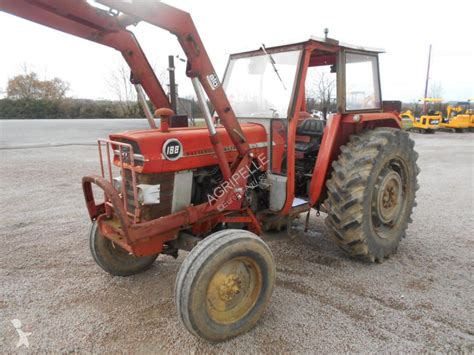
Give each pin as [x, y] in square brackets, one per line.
[212, 190]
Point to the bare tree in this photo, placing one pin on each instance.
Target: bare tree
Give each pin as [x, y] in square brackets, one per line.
[435, 90]
[123, 90]
[322, 89]
[119, 84]
[326, 86]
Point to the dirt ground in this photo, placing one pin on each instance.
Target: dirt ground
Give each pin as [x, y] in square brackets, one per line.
[419, 300]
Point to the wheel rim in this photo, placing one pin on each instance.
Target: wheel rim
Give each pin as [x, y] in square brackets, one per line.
[389, 198]
[233, 290]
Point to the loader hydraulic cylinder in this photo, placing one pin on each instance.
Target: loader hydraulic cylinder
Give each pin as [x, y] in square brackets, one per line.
[216, 142]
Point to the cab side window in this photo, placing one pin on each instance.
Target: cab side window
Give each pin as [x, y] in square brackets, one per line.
[362, 82]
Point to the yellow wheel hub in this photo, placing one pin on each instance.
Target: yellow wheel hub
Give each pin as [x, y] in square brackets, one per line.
[230, 287]
[233, 290]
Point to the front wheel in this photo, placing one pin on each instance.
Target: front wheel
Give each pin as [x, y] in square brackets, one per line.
[113, 259]
[224, 285]
[371, 193]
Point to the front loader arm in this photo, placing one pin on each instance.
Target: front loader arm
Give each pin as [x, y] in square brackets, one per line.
[200, 66]
[78, 18]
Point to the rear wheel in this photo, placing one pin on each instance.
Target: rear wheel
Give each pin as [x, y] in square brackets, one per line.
[113, 259]
[224, 285]
[371, 193]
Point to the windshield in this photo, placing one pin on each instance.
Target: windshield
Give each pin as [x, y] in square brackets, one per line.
[256, 88]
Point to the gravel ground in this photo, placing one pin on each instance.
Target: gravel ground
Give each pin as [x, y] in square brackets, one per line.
[419, 300]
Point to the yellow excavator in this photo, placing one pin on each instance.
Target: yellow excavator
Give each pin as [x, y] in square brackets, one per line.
[459, 117]
[426, 123]
[408, 119]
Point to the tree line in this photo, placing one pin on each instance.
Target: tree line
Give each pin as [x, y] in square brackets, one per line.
[66, 108]
[29, 97]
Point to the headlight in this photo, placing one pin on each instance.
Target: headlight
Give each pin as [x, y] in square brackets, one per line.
[126, 156]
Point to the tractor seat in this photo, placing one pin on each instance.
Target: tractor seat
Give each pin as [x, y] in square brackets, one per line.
[310, 127]
[313, 129]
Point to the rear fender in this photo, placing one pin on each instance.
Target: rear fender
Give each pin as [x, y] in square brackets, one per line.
[337, 133]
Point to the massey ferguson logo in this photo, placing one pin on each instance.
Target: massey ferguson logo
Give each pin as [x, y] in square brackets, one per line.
[172, 149]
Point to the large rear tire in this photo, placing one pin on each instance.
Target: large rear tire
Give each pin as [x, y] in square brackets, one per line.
[115, 260]
[371, 193]
[224, 285]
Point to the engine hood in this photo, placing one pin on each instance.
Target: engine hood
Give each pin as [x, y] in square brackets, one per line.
[187, 148]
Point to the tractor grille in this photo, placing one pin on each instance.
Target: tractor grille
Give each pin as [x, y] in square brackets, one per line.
[129, 191]
[120, 154]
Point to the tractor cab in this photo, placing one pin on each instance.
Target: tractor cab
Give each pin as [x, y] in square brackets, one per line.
[279, 86]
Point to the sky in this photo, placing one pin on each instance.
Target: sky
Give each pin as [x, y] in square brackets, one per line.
[405, 29]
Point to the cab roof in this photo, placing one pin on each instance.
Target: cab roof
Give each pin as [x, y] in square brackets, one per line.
[346, 45]
[326, 42]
